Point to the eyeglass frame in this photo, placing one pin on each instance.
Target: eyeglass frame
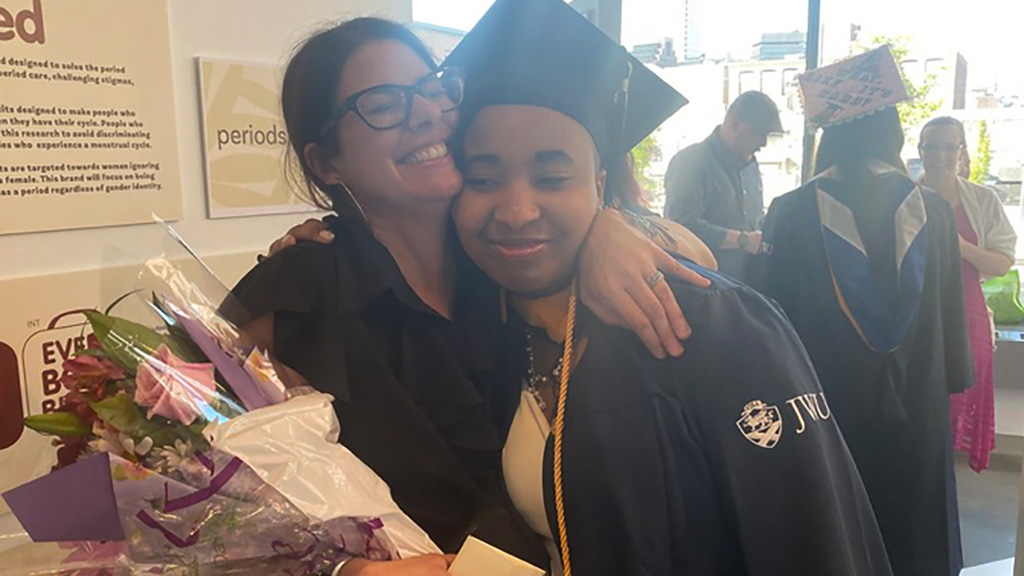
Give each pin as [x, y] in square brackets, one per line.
[933, 149]
[408, 91]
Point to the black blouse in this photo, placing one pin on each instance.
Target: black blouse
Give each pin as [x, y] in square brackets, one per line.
[411, 387]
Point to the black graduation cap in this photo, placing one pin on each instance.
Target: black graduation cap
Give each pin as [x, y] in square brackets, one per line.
[544, 53]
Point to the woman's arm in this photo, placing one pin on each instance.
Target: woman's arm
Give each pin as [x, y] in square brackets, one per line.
[617, 268]
[428, 565]
[673, 238]
[989, 263]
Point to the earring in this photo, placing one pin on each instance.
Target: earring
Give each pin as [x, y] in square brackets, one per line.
[352, 197]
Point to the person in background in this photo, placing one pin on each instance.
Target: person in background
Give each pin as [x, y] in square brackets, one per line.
[724, 462]
[383, 318]
[866, 265]
[987, 244]
[714, 187]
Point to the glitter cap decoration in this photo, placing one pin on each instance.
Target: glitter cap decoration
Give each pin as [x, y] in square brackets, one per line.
[852, 88]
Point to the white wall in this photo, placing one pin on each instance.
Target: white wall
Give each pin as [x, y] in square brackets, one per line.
[252, 30]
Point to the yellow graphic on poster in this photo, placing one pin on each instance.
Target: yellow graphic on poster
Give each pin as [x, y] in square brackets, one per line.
[87, 128]
[245, 139]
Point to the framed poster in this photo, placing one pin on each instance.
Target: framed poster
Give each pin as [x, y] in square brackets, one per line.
[245, 140]
[87, 128]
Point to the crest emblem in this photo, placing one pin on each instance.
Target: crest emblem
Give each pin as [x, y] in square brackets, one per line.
[761, 424]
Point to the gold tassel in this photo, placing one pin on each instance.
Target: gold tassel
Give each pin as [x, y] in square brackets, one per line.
[563, 393]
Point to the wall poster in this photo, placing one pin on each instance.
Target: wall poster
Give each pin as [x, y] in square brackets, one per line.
[87, 127]
[245, 140]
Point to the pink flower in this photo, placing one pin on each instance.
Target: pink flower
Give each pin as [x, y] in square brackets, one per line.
[173, 388]
[89, 374]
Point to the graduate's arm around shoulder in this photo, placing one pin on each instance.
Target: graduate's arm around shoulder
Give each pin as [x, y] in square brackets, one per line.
[788, 485]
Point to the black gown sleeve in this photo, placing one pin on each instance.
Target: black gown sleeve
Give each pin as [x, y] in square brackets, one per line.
[774, 271]
[789, 487]
[957, 351]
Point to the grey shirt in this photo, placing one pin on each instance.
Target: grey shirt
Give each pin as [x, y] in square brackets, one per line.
[709, 190]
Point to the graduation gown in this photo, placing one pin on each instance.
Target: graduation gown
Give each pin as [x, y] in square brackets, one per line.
[891, 397]
[412, 388]
[726, 461]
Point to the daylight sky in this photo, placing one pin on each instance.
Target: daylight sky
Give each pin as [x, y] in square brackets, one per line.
[989, 33]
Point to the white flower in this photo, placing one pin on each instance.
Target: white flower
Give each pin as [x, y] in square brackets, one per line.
[118, 443]
[170, 458]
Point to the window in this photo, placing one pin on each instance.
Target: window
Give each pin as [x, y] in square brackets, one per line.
[934, 66]
[770, 83]
[789, 82]
[748, 82]
[721, 55]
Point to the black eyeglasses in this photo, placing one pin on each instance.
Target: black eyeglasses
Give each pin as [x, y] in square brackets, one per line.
[937, 148]
[388, 106]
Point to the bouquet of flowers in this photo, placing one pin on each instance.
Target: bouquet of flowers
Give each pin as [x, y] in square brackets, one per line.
[180, 451]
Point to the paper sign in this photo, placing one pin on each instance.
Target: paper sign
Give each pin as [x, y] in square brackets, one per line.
[88, 136]
[477, 557]
[245, 140]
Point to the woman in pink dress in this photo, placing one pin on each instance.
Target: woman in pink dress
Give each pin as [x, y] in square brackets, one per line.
[987, 244]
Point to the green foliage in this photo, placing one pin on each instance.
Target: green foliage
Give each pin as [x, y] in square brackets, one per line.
[646, 153]
[920, 108]
[981, 162]
[63, 424]
[128, 343]
[122, 413]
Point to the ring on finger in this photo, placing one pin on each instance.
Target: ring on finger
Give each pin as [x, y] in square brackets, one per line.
[655, 278]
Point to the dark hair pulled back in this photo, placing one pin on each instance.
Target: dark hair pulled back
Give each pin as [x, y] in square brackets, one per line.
[851, 145]
[309, 95]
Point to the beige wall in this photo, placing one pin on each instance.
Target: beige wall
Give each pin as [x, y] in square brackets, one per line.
[250, 30]
[43, 275]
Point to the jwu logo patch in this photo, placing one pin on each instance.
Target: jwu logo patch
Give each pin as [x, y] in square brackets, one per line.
[761, 424]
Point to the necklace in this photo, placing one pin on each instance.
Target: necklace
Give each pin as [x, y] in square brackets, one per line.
[558, 428]
[535, 380]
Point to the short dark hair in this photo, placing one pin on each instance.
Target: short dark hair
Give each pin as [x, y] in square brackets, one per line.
[757, 109]
[945, 121]
[309, 87]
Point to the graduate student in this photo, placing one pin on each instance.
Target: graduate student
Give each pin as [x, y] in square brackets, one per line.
[866, 264]
[725, 461]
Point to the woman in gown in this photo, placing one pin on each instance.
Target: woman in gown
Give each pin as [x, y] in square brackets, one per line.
[866, 265]
[725, 461]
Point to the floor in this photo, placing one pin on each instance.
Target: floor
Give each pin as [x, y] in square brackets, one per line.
[988, 515]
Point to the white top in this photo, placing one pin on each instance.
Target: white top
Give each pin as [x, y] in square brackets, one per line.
[523, 463]
[988, 218]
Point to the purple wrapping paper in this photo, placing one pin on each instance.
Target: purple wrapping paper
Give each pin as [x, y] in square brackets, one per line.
[73, 503]
[239, 380]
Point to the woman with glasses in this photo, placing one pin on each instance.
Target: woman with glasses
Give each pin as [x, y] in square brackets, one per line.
[385, 318]
[987, 245]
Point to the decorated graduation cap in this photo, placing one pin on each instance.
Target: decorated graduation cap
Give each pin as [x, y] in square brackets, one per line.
[543, 53]
[852, 88]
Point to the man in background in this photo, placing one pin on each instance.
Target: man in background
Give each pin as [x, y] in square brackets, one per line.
[714, 187]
